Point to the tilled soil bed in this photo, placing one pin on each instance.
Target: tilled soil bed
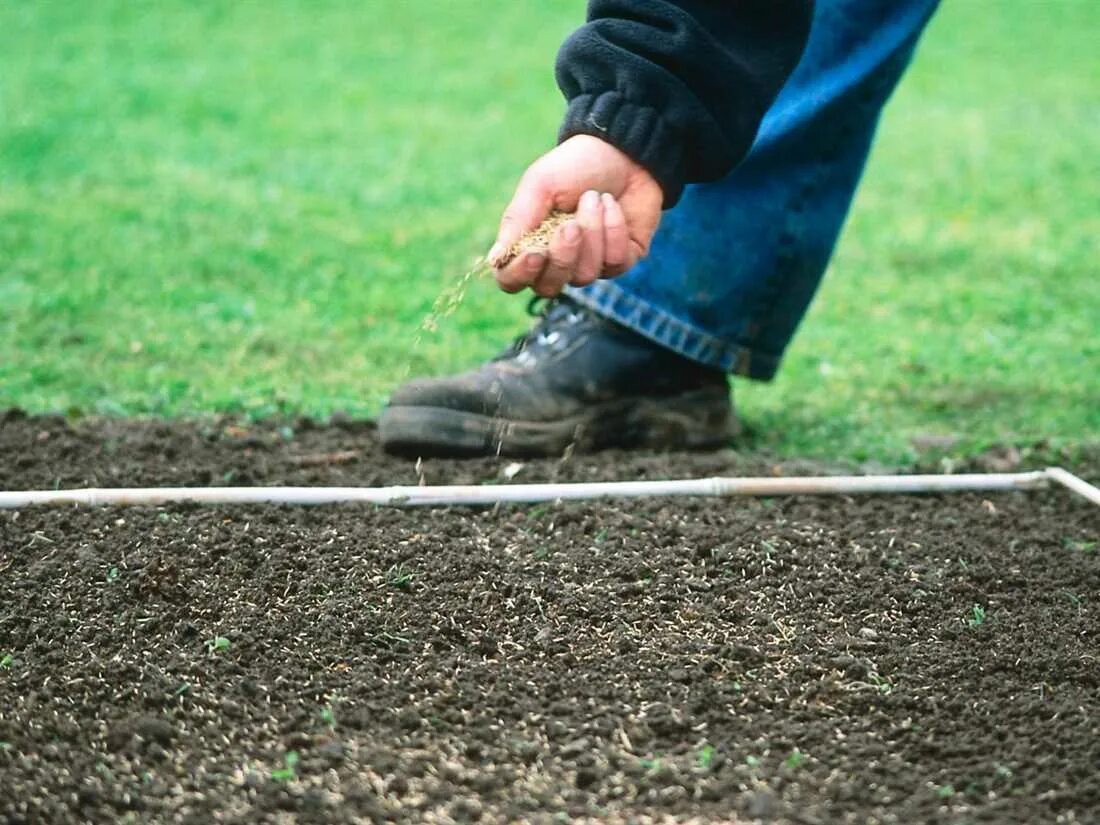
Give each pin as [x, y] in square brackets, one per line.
[812, 660]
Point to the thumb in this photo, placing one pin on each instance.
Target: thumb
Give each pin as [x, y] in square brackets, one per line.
[530, 205]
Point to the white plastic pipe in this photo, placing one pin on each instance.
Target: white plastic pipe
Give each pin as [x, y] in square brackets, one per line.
[529, 493]
[1078, 485]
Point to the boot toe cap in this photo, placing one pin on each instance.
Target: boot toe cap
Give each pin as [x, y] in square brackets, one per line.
[467, 393]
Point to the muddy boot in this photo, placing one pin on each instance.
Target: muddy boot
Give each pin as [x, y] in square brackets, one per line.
[576, 380]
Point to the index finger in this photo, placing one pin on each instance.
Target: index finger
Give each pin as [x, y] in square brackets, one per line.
[521, 272]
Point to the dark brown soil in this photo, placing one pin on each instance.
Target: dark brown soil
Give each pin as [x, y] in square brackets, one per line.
[804, 660]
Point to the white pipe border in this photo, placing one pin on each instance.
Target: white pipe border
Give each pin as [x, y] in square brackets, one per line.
[467, 495]
[1072, 482]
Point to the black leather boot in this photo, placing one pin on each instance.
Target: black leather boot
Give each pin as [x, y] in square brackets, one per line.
[575, 379]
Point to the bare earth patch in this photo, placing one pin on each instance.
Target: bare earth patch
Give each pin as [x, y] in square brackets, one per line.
[907, 659]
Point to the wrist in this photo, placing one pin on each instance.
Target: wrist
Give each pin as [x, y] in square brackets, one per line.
[637, 131]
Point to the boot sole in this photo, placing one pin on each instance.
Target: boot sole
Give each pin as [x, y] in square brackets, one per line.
[692, 421]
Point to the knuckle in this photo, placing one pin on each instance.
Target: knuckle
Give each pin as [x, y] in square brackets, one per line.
[547, 287]
[510, 280]
[531, 265]
[615, 254]
[564, 256]
[566, 247]
[559, 265]
[588, 269]
[590, 222]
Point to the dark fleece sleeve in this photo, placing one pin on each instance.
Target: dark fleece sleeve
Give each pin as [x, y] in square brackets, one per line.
[679, 85]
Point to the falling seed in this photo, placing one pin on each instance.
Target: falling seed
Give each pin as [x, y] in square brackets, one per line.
[449, 300]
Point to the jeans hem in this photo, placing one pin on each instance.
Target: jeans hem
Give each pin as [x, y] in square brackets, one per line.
[615, 303]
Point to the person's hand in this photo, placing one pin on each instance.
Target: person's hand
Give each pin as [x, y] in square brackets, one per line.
[617, 205]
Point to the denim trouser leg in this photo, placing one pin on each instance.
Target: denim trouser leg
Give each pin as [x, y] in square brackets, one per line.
[735, 264]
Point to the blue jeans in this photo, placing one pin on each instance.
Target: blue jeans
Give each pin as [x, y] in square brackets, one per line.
[736, 262]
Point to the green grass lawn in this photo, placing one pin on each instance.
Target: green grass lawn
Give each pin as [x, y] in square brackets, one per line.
[250, 208]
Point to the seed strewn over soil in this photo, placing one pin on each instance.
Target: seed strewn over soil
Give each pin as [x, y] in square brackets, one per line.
[900, 659]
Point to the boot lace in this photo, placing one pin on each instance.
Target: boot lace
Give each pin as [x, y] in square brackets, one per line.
[554, 316]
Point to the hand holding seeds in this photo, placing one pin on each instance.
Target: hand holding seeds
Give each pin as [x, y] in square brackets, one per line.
[582, 211]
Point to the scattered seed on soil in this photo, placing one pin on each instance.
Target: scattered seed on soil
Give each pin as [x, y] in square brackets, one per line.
[828, 673]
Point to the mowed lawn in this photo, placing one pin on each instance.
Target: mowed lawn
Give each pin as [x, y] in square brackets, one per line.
[250, 208]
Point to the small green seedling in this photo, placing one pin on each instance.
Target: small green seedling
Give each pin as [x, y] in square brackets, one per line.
[328, 717]
[288, 771]
[705, 757]
[794, 761]
[1074, 599]
[6, 661]
[1082, 546]
[217, 645]
[112, 574]
[397, 577]
[977, 616]
[752, 761]
[883, 685]
[945, 791]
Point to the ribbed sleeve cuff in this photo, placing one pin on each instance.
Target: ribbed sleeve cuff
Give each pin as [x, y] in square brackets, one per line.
[639, 131]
